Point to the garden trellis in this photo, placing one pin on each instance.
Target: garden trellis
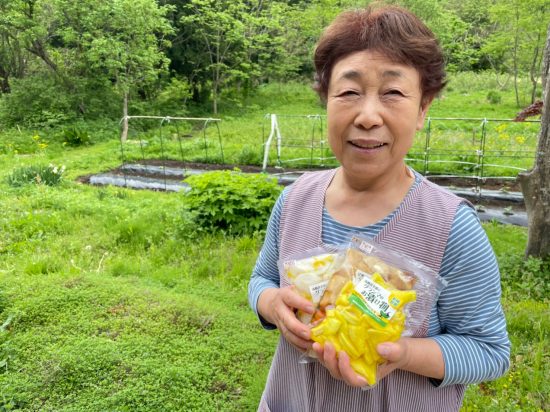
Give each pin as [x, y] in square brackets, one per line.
[170, 138]
[304, 134]
[480, 149]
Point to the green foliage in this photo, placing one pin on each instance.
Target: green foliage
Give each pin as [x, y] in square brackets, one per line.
[459, 26]
[74, 137]
[172, 99]
[100, 325]
[38, 174]
[238, 43]
[36, 101]
[76, 61]
[494, 97]
[131, 54]
[249, 156]
[231, 201]
[517, 43]
[22, 142]
[527, 278]
[61, 62]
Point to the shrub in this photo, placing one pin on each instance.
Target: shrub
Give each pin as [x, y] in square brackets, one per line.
[74, 137]
[525, 278]
[248, 156]
[494, 97]
[36, 101]
[231, 201]
[38, 174]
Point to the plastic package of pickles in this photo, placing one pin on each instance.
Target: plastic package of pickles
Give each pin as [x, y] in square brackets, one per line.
[364, 294]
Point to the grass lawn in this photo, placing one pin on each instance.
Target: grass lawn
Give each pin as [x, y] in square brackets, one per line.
[110, 299]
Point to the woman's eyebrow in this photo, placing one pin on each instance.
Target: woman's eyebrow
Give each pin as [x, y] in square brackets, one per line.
[351, 75]
[356, 75]
[392, 73]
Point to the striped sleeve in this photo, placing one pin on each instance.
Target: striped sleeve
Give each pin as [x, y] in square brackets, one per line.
[472, 335]
[266, 274]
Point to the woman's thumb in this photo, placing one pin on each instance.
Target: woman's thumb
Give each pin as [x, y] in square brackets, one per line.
[389, 351]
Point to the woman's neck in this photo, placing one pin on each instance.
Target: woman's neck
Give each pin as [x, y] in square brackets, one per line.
[361, 202]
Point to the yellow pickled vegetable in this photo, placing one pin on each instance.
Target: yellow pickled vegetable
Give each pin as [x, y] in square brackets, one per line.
[365, 315]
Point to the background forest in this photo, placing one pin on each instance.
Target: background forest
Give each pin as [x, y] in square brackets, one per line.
[63, 61]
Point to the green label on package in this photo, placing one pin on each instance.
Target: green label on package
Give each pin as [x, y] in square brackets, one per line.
[373, 300]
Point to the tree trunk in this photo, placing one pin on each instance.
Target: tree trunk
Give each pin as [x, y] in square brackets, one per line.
[124, 133]
[215, 99]
[515, 60]
[535, 183]
[533, 72]
[215, 90]
[4, 80]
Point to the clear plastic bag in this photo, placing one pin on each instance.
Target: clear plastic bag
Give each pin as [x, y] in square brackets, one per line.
[310, 273]
[371, 295]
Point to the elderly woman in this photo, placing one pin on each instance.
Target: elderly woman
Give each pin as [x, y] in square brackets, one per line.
[378, 71]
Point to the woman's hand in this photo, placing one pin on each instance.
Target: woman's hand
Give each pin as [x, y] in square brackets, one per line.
[396, 355]
[338, 365]
[418, 355]
[278, 306]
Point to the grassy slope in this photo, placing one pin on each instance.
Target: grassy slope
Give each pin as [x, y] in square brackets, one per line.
[126, 315]
[109, 303]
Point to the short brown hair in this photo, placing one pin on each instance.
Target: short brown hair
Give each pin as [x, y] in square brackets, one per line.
[390, 30]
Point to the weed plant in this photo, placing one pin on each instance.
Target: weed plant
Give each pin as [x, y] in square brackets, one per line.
[38, 174]
[231, 202]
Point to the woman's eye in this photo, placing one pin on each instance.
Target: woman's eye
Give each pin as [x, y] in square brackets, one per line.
[394, 92]
[349, 93]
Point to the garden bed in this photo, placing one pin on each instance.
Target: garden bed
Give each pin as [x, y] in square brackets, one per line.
[496, 199]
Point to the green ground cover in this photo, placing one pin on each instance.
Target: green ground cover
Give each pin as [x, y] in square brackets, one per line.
[110, 300]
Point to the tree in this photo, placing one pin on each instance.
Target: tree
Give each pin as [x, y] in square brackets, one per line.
[11, 61]
[128, 45]
[235, 43]
[517, 42]
[460, 26]
[535, 184]
[86, 48]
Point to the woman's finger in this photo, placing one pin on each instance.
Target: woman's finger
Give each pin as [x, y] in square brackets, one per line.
[293, 299]
[347, 372]
[330, 360]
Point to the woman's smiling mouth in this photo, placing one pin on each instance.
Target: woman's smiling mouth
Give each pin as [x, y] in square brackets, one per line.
[367, 144]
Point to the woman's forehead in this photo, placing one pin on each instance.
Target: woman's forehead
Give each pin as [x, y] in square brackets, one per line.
[365, 63]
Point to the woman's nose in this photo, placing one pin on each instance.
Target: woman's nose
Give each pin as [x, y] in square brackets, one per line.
[369, 113]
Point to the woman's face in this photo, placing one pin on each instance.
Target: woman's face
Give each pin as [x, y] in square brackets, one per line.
[373, 111]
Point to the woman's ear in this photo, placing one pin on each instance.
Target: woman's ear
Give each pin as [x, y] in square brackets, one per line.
[423, 111]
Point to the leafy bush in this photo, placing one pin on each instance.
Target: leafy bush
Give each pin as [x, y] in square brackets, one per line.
[36, 101]
[248, 156]
[231, 201]
[525, 278]
[74, 137]
[172, 99]
[494, 97]
[38, 174]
